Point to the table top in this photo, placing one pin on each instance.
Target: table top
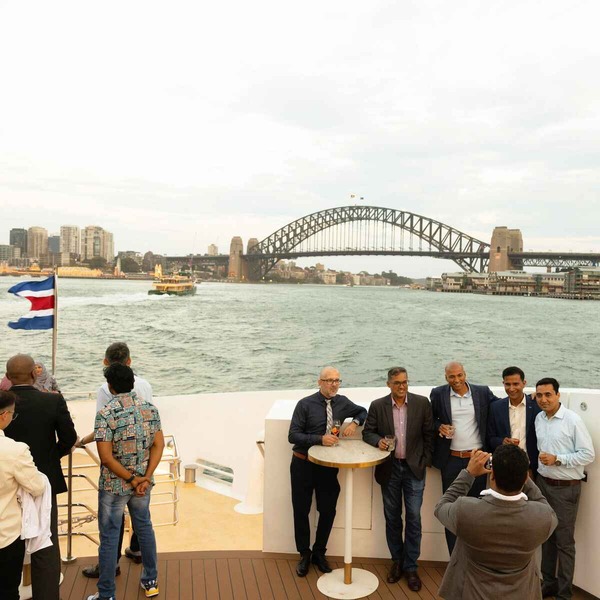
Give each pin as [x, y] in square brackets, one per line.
[348, 454]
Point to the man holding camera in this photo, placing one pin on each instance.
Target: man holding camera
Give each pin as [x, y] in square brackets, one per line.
[498, 535]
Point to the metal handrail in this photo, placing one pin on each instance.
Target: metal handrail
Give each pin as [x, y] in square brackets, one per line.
[89, 514]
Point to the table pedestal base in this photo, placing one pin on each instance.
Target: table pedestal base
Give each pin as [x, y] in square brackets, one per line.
[332, 584]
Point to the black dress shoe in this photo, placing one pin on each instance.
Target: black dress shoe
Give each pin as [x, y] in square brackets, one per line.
[395, 573]
[321, 563]
[303, 565]
[414, 581]
[94, 572]
[549, 590]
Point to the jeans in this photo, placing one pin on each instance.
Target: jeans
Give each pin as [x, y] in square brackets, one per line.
[403, 482]
[110, 515]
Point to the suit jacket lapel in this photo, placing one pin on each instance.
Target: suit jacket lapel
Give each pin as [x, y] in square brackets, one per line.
[448, 404]
[528, 413]
[389, 416]
[477, 408]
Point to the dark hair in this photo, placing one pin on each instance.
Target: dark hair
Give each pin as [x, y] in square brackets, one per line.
[396, 371]
[513, 371]
[119, 377]
[510, 465]
[549, 381]
[117, 353]
[7, 399]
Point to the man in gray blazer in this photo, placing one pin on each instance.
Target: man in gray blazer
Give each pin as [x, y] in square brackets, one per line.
[408, 418]
[498, 534]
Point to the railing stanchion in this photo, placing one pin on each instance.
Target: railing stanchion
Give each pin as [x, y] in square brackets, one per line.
[70, 558]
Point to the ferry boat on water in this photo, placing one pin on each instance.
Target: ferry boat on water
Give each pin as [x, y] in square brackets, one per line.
[172, 285]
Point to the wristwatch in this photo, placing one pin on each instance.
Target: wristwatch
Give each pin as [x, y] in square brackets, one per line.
[130, 479]
[356, 421]
[557, 463]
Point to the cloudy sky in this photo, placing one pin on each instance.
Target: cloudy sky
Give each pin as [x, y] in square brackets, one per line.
[179, 124]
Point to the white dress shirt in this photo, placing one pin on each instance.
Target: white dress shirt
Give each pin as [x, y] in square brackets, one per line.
[466, 432]
[16, 469]
[140, 386]
[566, 436]
[517, 418]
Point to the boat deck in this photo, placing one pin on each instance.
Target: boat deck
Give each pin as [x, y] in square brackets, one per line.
[250, 575]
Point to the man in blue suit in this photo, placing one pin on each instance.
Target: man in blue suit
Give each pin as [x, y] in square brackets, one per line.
[460, 416]
[512, 419]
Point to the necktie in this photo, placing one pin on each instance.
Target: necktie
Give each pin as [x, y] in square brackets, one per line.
[329, 415]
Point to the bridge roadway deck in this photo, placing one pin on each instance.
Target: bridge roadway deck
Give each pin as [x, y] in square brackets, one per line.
[250, 575]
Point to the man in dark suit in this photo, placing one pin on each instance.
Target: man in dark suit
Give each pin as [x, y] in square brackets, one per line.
[45, 425]
[408, 418]
[460, 415]
[511, 420]
[498, 534]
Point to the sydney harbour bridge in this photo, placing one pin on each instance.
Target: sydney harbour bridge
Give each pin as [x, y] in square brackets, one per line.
[372, 230]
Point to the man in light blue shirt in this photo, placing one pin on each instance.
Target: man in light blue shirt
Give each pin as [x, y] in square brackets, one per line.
[565, 447]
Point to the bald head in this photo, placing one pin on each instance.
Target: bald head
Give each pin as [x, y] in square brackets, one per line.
[20, 369]
[454, 365]
[456, 377]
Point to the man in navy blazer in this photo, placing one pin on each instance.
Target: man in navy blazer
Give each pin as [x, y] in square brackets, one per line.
[460, 416]
[512, 419]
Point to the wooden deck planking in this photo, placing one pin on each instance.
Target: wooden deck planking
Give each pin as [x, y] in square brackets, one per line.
[245, 576]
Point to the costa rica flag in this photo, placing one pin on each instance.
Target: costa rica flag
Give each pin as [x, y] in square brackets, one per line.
[41, 296]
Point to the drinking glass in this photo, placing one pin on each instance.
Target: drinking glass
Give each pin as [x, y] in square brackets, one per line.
[451, 434]
[335, 428]
[390, 440]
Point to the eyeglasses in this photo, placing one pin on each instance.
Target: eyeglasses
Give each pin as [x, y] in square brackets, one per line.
[399, 383]
[335, 381]
[14, 414]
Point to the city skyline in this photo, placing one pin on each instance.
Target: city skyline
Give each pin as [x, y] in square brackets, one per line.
[424, 107]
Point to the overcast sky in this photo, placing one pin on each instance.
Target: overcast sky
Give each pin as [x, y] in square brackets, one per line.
[179, 124]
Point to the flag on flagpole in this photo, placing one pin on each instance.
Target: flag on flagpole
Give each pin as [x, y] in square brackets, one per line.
[41, 296]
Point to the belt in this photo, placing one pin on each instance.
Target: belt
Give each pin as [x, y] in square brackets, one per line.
[462, 453]
[300, 456]
[561, 482]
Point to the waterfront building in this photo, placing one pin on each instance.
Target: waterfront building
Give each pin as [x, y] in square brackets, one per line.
[37, 243]
[18, 238]
[9, 252]
[97, 243]
[213, 250]
[328, 277]
[70, 239]
[433, 284]
[131, 254]
[583, 282]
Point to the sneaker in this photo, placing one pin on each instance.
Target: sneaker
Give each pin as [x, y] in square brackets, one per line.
[96, 596]
[150, 587]
[136, 557]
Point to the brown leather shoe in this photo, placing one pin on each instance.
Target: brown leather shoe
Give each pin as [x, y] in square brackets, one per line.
[414, 581]
[395, 573]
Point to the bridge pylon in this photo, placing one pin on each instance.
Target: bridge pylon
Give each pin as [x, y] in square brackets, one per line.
[505, 241]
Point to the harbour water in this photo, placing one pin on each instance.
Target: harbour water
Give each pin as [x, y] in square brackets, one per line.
[232, 337]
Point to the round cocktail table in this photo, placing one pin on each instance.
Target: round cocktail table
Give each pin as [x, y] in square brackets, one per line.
[349, 455]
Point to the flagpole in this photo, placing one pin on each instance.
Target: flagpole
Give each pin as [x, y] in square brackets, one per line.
[55, 320]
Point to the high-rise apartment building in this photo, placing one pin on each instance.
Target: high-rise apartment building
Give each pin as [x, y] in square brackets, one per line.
[37, 243]
[97, 243]
[54, 244]
[70, 239]
[213, 250]
[18, 238]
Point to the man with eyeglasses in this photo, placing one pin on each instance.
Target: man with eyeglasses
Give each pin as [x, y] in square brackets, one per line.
[312, 424]
[408, 418]
[45, 425]
[16, 470]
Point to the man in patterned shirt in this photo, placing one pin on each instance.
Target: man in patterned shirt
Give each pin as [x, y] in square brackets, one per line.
[130, 445]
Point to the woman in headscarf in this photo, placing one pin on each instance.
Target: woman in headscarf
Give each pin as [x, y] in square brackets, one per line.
[44, 381]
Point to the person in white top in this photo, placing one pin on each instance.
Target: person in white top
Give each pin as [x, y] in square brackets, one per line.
[17, 469]
[118, 352]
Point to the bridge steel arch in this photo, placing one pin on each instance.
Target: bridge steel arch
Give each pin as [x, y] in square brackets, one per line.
[471, 254]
